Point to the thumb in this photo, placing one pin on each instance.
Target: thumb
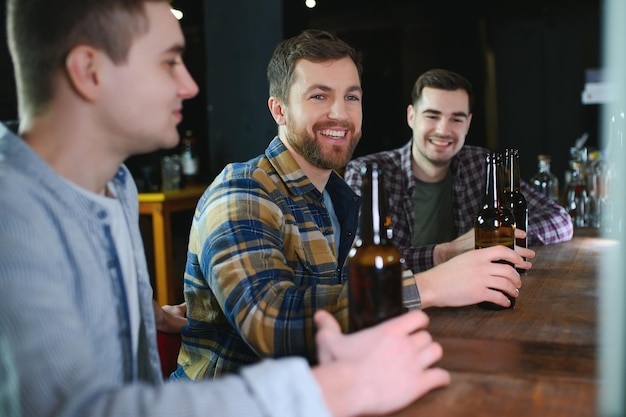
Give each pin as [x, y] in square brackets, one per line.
[325, 321]
[328, 330]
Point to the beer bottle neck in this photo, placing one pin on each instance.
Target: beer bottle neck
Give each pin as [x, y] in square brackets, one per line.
[512, 171]
[374, 220]
[494, 183]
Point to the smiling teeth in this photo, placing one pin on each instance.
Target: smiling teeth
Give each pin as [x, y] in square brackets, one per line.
[333, 133]
[441, 142]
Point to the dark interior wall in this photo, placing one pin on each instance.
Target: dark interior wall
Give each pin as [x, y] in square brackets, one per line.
[527, 65]
[540, 51]
[240, 38]
[8, 99]
[540, 64]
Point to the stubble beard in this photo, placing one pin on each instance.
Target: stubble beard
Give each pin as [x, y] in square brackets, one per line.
[309, 148]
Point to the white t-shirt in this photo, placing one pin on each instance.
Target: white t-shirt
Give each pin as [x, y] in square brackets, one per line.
[123, 247]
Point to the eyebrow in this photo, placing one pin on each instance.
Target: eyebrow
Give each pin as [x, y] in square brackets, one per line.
[323, 87]
[177, 49]
[456, 113]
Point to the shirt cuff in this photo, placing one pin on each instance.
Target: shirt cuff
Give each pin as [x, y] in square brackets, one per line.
[410, 292]
[285, 388]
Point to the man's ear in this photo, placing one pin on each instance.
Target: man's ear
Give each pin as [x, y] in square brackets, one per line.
[410, 115]
[82, 66]
[469, 122]
[277, 109]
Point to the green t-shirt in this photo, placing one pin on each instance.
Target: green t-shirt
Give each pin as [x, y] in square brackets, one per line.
[432, 203]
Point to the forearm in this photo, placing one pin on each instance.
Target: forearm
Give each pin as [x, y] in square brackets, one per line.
[551, 228]
[443, 252]
[548, 222]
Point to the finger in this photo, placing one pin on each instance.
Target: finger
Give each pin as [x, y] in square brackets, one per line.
[327, 336]
[325, 321]
[507, 254]
[520, 234]
[406, 323]
[429, 354]
[421, 339]
[524, 265]
[528, 253]
[325, 350]
[496, 296]
[434, 378]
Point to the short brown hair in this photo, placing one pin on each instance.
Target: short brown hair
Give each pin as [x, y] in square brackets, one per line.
[312, 45]
[442, 79]
[42, 32]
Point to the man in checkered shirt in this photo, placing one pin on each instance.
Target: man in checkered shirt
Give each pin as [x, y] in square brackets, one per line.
[435, 183]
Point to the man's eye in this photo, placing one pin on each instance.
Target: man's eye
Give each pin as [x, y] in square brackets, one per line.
[318, 96]
[353, 98]
[173, 62]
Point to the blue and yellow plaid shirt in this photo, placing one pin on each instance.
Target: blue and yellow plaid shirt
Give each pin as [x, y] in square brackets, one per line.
[260, 264]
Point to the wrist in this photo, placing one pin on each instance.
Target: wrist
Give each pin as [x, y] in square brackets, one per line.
[441, 253]
[425, 293]
[341, 388]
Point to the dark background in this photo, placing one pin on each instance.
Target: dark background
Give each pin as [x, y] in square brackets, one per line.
[526, 60]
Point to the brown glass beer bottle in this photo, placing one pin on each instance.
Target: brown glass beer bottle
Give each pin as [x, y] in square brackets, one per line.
[375, 263]
[515, 198]
[494, 223]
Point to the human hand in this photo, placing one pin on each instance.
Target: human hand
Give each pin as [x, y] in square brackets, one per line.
[448, 250]
[170, 318]
[376, 370]
[472, 277]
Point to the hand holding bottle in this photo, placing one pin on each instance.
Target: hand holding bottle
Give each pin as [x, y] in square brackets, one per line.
[473, 277]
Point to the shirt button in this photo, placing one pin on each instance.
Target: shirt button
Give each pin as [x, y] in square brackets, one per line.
[102, 214]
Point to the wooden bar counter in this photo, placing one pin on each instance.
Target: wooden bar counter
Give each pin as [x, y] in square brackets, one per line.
[538, 359]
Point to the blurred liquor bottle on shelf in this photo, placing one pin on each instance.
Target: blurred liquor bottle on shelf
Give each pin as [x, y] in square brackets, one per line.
[597, 177]
[494, 224]
[189, 158]
[375, 263]
[576, 195]
[515, 199]
[171, 173]
[544, 181]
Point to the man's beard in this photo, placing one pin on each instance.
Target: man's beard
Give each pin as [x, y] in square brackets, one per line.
[309, 148]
